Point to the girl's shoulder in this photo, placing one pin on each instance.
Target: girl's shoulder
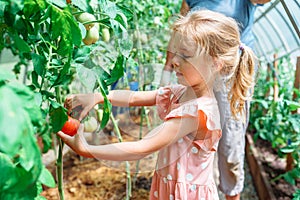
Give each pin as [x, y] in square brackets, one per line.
[202, 108]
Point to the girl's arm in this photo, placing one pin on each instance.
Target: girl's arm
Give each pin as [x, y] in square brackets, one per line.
[123, 98]
[163, 135]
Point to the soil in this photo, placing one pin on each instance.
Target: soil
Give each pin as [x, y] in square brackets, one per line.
[275, 166]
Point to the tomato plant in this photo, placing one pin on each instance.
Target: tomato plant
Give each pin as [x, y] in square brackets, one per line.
[47, 38]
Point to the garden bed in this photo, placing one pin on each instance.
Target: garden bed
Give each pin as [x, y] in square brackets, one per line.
[265, 166]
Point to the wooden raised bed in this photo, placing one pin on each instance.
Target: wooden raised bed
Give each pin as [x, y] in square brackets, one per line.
[262, 186]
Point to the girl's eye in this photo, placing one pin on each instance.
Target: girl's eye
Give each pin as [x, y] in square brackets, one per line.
[184, 56]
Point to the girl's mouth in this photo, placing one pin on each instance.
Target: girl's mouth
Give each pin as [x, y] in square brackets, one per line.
[179, 74]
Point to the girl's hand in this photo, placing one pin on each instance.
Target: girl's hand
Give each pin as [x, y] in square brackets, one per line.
[77, 143]
[81, 103]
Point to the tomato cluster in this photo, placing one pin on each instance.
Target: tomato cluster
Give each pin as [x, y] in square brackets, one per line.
[92, 29]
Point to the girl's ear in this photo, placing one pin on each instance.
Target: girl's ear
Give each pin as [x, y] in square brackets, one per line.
[218, 65]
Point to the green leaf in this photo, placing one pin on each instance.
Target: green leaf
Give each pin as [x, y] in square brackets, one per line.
[7, 176]
[118, 70]
[35, 79]
[63, 77]
[20, 44]
[31, 8]
[289, 178]
[121, 18]
[39, 64]
[9, 15]
[87, 77]
[75, 31]
[46, 178]
[106, 112]
[26, 97]
[30, 155]
[70, 33]
[58, 117]
[110, 9]
[81, 4]
[287, 149]
[293, 105]
[6, 75]
[126, 11]
[12, 121]
[59, 3]
[264, 103]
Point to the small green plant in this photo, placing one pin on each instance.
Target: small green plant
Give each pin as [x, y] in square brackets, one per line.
[296, 195]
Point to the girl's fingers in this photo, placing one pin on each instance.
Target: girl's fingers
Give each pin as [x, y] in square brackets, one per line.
[63, 136]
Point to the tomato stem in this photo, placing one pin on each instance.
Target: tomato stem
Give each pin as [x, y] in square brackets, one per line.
[128, 176]
[59, 161]
[59, 169]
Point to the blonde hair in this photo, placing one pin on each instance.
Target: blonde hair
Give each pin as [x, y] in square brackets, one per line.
[219, 37]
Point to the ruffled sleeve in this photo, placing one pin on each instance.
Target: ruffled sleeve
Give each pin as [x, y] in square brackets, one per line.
[206, 110]
[167, 98]
[209, 107]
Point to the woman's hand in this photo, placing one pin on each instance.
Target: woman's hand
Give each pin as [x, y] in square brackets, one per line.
[77, 143]
[81, 103]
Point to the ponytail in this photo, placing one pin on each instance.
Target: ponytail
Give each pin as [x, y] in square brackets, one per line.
[242, 81]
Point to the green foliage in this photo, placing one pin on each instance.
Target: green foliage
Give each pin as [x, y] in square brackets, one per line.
[296, 195]
[277, 121]
[20, 157]
[46, 34]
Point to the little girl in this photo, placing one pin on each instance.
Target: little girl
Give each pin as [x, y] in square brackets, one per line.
[206, 45]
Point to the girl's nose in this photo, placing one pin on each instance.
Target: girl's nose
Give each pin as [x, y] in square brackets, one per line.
[175, 61]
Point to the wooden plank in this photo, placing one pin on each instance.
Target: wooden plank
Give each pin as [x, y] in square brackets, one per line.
[289, 157]
[262, 186]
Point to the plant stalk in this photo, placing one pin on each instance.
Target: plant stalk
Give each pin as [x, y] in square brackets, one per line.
[59, 161]
[59, 170]
[128, 176]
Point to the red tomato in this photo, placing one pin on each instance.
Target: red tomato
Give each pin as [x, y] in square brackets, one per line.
[71, 126]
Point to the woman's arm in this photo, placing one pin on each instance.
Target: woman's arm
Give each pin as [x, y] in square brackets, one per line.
[160, 137]
[260, 1]
[184, 8]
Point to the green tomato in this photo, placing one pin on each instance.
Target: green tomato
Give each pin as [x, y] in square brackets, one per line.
[90, 125]
[105, 34]
[87, 17]
[91, 37]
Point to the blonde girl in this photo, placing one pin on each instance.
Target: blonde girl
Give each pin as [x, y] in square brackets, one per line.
[205, 45]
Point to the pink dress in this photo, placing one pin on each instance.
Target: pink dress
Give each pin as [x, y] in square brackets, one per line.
[185, 168]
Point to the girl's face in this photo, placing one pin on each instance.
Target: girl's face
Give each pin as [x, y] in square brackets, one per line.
[192, 66]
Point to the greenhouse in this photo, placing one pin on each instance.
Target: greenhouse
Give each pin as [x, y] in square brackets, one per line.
[154, 99]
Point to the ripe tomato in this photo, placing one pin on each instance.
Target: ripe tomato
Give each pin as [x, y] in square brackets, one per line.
[71, 126]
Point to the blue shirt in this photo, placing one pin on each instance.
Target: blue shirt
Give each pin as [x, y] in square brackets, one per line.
[240, 10]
